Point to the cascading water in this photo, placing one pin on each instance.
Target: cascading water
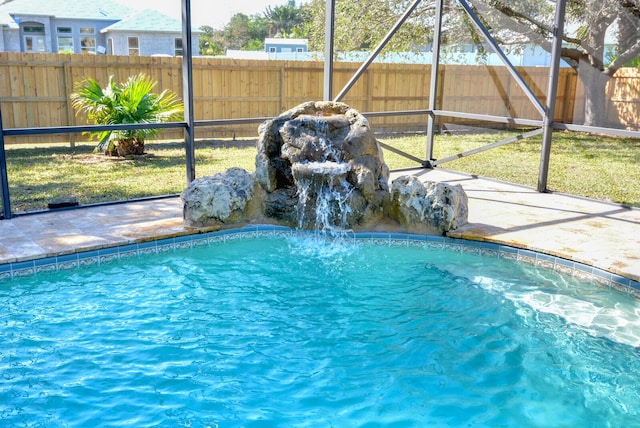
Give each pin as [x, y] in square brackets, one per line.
[321, 168]
[323, 195]
[322, 187]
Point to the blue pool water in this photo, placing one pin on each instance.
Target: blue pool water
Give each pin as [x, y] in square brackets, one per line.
[287, 332]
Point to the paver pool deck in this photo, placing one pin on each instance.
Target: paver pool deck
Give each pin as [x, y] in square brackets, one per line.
[599, 234]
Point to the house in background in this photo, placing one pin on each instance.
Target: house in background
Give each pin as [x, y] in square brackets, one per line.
[286, 45]
[147, 33]
[88, 26]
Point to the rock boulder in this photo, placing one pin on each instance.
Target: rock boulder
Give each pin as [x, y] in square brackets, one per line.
[423, 207]
[228, 197]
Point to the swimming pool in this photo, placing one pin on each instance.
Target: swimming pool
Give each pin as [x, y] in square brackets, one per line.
[296, 331]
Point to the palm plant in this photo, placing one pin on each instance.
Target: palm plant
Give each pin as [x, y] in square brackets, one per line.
[282, 19]
[128, 103]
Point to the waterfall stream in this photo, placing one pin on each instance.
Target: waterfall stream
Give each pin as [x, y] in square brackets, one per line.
[323, 195]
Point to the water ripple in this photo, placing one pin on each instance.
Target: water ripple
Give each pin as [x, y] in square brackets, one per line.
[271, 333]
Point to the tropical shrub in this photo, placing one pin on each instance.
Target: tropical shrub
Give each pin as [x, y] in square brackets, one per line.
[128, 103]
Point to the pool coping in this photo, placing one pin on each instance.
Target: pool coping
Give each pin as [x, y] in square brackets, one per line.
[157, 245]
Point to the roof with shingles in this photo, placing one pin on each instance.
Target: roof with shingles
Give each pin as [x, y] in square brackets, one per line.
[147, 20]
[72, 9]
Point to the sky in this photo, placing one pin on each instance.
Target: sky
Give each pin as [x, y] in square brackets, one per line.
[215, 13]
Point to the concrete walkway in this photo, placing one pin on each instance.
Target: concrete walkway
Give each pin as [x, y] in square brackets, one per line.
[598, 234]
[595, 233]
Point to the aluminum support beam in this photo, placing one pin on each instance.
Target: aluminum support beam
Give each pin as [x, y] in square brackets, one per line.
[512, 70]
[401, 153]
[489, 146]
[4, 176]
[50, 130]
[433, 86]
[329, 33]
[377, 50]
[597, 130]
[187, 88]
[552, 93]
[490, 118]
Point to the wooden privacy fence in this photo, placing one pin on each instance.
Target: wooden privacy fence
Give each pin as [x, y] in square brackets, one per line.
[35, 89]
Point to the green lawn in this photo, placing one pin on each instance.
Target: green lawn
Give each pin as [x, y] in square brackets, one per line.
[584, 165]
[38, 174]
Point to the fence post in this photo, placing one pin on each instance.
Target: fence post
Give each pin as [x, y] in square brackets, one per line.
[369, 91]
[283, 90]
[68, 89]
[568, 94]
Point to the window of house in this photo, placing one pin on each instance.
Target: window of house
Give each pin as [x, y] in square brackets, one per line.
[65, 44]
[272, 49]
[110, 46]
[65, 40]
[178, 47]
[299, 50]
[134, 47]
[33, 29]
[88, 44]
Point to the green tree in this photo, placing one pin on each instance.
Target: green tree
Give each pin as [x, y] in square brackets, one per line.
[361, 25]
[584, 50]
[283, 19]
[210, 41]
[258, 28]
[236, 33]
[513, 24]
[129, 103]
[244, 32]
[254, 45]
[248, 32]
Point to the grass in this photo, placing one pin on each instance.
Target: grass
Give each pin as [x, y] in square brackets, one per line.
[585, 165]
[38, 174]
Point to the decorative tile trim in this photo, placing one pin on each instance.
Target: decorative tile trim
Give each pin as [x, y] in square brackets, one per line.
[162, 245]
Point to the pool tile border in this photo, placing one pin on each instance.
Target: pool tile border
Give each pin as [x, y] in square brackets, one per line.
[161, 245]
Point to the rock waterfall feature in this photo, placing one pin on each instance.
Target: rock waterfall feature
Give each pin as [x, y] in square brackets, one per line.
[319, 166]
